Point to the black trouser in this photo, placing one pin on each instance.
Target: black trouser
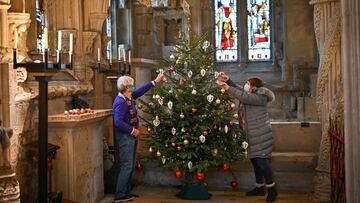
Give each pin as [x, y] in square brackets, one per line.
[262, 170]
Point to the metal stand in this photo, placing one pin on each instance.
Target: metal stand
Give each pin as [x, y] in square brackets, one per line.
[42, 73]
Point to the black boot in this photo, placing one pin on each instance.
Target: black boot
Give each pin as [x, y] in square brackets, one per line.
[257, 191]
[272, 194]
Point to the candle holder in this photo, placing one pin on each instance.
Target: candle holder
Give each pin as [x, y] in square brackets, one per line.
[43, 72]
[120, 68]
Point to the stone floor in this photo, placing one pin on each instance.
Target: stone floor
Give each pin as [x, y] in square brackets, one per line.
[167, 195]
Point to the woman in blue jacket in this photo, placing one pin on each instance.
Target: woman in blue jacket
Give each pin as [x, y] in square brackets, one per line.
[126, 123]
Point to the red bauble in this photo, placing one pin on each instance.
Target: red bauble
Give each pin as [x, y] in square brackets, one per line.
[200, 176]
[234, 184]
[232, 122]
[205, 133]
[171, 68]
[194, 110]
[139, 165]
[181, 83]
[178, 148]
[226, 166]
[229, 107]
[178, 174]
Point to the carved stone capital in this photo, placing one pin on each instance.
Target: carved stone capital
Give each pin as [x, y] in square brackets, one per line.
[9, 189]
[312, 2]
[88, 41]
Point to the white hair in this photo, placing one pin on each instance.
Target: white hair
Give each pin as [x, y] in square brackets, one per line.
[123, 82]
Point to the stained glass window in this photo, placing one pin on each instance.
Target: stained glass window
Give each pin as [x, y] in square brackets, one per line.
[259, 29]
[40, 24]
[226, 35]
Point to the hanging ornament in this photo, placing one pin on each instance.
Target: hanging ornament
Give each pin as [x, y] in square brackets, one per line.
[157, 96]
[218, 101]
[210, 98]
[150, 149]
[232, 122]
[178, 61]
[226, 166]
[158, 154]
[171, 68]
[215, 152]
[171, 91]
[233, 105]
[178, 174]
[215, 126]
[206, 45]
[193, 92]
[161, 101]
[183, 130]
[149, 129]
[173, 131]
[202, 138]
[182, 115]
[173, 144]
[229, 108]
[172, 57]
[202, 72]
[226, 129]
[178, 148]
[190, 73]
[163, 160]
[236, 115]
[177, 96]
[200, 176]
[223, 90]
[234, 184]
[205, 133]
[181, 83]
[190, 164]
[216, 74]
[244, 145]
[154, 96]
[194, 110]
[170, 105]
[186, 142]
[156, 122]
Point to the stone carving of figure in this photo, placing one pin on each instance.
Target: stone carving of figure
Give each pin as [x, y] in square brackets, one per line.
[5, 135]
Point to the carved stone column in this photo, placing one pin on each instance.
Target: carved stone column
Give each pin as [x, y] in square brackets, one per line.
[327, 23]
[351, 63]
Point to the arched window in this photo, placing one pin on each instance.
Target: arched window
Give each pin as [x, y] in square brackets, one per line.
[243, 27]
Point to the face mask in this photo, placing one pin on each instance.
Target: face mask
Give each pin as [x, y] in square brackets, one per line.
[247, 87]
[132, 88]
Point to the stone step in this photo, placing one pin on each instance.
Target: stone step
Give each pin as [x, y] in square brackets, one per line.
[289, 136]
[293, 171]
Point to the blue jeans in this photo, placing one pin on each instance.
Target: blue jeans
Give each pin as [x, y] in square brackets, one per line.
[262, 170]
[127, 147]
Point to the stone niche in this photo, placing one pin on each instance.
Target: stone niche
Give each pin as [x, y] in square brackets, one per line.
[78, 168]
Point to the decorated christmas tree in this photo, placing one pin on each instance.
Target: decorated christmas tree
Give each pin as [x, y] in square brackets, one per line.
[191, 121]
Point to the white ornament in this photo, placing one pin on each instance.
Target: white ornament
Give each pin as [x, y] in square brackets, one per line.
[178, 61]
[226, 129]
[203, 72]
[236, 115]
[183, 130]
[161, 101]
[163, 159]
[173, 131]
[156, 122]
[172, 57]
[244, 145]
[182, 115]
[66, 112]
[190, 164]
[223, 90]
[232, 105]
[170, 105]
[190, 73]
[210, 98]
[161, 71]
[206, 45]
[216, 74]
[157, 96]
[202, 138]
[218, 101]
[193, 92]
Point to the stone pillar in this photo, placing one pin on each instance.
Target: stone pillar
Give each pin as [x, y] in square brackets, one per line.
[351, 64]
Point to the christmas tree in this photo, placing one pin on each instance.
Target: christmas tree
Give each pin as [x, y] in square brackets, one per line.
[191, 121]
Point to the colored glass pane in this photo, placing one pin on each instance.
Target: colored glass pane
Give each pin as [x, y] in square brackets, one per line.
[259, 29]
[226, 36]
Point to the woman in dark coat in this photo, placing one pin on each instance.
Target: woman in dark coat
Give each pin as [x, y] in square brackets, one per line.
[254, 119]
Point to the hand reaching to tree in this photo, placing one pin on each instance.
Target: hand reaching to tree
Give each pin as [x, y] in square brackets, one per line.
[160, 77]
[223, 76]
[222, 84]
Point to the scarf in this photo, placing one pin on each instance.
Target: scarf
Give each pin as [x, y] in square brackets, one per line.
[133, 117]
